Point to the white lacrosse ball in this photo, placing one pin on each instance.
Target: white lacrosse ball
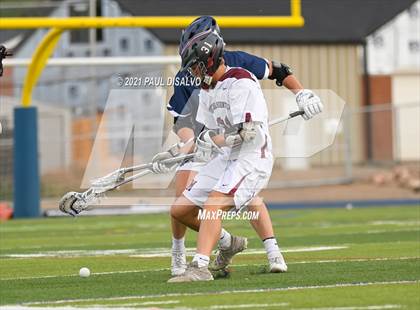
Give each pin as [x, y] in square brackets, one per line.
[84, 272]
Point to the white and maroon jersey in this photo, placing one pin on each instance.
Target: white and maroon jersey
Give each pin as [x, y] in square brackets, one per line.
[236, 98]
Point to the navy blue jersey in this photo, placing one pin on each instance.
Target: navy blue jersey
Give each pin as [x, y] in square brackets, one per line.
[183, 103]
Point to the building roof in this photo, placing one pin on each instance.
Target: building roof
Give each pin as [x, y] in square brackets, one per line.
[22, 34]
[326, 21]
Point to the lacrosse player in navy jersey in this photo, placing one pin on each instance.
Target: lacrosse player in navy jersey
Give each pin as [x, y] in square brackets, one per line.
[183, 105]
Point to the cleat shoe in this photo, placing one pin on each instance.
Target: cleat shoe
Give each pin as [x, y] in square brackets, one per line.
[224, 256]
[277, 264]
[193, 273]
[179, 263]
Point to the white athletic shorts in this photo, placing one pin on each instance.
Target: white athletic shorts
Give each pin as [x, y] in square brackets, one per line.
[243, 178]
[190, 165]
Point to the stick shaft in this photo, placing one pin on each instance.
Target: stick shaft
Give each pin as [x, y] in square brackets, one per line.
[146, 169]
[285, 118]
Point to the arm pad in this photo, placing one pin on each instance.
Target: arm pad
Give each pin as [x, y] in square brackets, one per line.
[280, 72]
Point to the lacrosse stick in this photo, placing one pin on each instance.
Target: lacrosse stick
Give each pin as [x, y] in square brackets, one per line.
[74, 202]
[285, 118]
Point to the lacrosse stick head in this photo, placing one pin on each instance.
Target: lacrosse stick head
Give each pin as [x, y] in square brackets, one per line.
[67, 202]
[73, 203]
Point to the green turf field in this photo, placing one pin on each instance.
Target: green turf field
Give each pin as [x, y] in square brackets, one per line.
[367, 258]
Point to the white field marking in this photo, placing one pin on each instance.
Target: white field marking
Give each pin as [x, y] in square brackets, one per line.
[373, 307]
[95, 307]
[78, 245]
[78, 227]
[282, 304]
[372, 223]
[78, 253]
[398, 223]
[145, 303]
[128, 306]
[381, 231]
[338, 261]
[233, 265]
[151, 252]
[291, 288]
[375, 231]
[92, 274]
[191, 251]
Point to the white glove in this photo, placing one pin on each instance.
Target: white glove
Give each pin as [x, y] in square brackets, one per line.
[205, 147]
[308, 102]
[159, 166]
[248, 131]
[246, 134]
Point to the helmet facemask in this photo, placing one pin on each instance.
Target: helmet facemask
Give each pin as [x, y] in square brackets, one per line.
[199, 70]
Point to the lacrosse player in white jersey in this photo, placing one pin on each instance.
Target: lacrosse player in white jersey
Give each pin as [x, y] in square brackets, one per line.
[183, 106]
[236, 146]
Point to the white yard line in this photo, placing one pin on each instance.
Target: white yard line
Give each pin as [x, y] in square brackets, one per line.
[292, 288]
[190, 251]
[151, 252]
[255, 306]
[233, 265]
[71, 253]
[137, 304]
[130, 306]
[96, 307]
[397, 223]
[93, 273]
[373, 307]
[236, 306]
[381, 231]
[293, 250]
[326, 261]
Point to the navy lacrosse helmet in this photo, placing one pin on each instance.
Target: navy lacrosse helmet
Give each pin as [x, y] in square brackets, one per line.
[199, 25]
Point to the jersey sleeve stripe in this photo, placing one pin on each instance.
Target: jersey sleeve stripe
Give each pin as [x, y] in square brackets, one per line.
[267, 70]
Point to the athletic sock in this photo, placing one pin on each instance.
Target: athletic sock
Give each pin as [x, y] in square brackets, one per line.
[225, 240]
[271, 247]
[178, 245]
[202, 260]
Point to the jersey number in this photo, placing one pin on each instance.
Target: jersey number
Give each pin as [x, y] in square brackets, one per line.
[206, 49]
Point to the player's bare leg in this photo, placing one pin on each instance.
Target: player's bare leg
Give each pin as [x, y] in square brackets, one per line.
[183, 178]
[179, 260]
[209, 232]
[264, 228]
[185, 213]
[262, 225]
[210, 227]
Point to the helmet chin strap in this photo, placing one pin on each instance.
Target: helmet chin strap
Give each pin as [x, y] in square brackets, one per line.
[207, 79]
